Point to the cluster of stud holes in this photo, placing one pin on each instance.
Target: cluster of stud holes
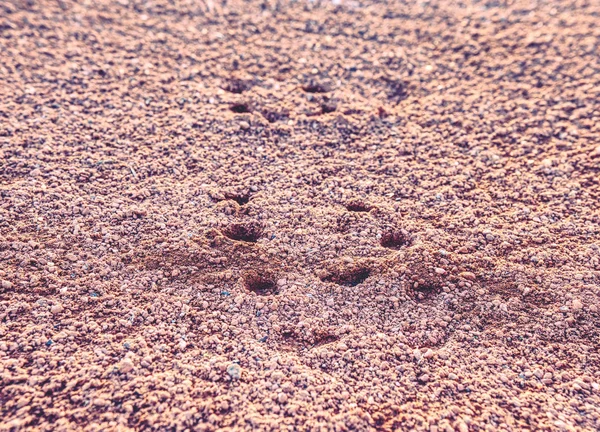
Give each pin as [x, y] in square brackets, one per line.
[240, 108]
[349, 277]
[260, 284]
[394, 239]
[246, 232]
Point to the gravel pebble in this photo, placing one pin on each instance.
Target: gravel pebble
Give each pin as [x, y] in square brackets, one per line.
[235, 371]
[57, 308]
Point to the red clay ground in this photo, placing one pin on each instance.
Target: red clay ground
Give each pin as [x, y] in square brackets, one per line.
[299, 216]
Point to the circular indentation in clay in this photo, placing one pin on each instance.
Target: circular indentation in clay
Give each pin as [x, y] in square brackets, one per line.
[247, 232]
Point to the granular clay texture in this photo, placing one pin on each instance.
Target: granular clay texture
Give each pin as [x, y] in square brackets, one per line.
[273, 215]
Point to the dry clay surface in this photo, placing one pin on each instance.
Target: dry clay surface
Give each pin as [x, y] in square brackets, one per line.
[349, 216]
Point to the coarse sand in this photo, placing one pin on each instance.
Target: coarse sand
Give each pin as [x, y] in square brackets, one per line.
[295, 215]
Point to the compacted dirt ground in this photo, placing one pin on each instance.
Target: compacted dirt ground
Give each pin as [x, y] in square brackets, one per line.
[299, 216]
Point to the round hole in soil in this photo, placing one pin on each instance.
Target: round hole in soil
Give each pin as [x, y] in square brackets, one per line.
[236, 86]
[394, 240]
[426, 291]
[260, 284]
[327, 108]
[239, 108]
[349, 277]
[248, 232]
[274, 116]
[315, 87]
[358, 206]
[241, 199]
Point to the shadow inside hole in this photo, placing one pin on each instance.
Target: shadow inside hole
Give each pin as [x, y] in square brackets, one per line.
[260, 284]
[358, 206]
[275, 116]
[397, 90]
[241, 199]
[288, 334]
[327, 108]
[394, 240]
[236, 86]
[240, 108]
[324, 339]
[248, 232]
[351, 277]
[314, 87]
[426, 291]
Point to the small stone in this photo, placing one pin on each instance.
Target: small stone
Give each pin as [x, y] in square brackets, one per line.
[560, 424]
[452, 376]
[100, 402]
[277, 375]
[468, 275]
[125, 366]
[440, 271]
[282, 398]
[428, 353]
[71, 257]
[461, 426]
[417, 354]
[235, 371]
[57, 308]
[424, 378]
[7, 284]
[244, 125]
[577, 304]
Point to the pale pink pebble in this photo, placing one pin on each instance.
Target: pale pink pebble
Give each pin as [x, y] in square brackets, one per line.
[100, 402]
[125, 366]
[71, 257]
[468, 275]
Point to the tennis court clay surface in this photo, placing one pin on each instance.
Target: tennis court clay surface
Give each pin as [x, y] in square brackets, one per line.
[308, 216]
